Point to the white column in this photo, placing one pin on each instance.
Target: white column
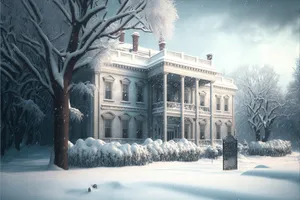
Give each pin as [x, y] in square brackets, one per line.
[197, 111]
[211, 115]
[182, 107]
[165, 107]
[233, 120]
[95, 119]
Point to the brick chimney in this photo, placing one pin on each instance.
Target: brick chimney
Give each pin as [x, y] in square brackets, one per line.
[209, 56]
[161, 44]
[122, 37]
[135, 41]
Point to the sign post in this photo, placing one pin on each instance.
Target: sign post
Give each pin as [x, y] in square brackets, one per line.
[230, 161]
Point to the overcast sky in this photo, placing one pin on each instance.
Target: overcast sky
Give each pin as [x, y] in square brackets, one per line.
[237, 32]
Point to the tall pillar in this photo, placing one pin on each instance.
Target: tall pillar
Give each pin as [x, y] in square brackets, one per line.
[233, 119]
[96, 117]
[197, 111]
[211, 115]
[182, 107]
[150, 121]
[165, 130]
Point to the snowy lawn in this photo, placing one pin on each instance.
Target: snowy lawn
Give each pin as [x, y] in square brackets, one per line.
[26, 177]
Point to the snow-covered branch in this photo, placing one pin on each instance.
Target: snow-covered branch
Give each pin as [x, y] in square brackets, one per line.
[83, 88]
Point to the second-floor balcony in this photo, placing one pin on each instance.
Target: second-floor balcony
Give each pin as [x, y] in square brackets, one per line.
[175, 106]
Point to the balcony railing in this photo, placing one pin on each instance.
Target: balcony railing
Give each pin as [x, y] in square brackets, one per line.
[204, 109]
[177, 106]
[173, 105]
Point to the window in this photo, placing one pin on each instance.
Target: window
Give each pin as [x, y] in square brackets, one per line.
[125, 92]
[228, 130]
[218, 103]
[218, 130]
[107, 127]
[140, 96]
[186, 96]
[139, 129]
[226, 104]
[159, 93]
[202, 100]
[125, 126]
[108, 90]
[202, 132]
[186, 131]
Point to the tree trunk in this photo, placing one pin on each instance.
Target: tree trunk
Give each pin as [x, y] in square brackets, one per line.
[61, 126]
[267, 135]
[257, 135]
[3, 139]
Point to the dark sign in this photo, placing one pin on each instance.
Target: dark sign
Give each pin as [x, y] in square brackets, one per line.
[230, 153]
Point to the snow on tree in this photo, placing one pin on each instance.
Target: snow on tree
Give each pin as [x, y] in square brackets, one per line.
[258, 100]
[91, 25]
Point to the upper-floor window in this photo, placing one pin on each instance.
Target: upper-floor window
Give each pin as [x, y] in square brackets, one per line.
[107, 127]
[125, 89]
[125, 92]
[108, 90]
[202, 100]
[218, 103]
[226, 101]
[108, 86]
[218, 130]
[140, 94]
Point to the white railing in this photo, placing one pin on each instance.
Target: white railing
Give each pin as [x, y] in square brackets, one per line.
[189, 107]
[143, 59]
[225, 80]
[186, 58]
[173, 105]
[204, 109]
[122, 55]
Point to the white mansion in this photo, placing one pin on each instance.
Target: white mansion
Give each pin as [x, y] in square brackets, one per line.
[162, 95]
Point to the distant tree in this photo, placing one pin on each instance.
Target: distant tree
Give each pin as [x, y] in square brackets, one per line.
[258, 100]
[292, 108]
[91, 25]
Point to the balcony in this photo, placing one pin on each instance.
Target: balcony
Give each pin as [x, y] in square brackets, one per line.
[175, 106]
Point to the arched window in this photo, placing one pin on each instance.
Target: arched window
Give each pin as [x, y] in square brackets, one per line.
[108, 86]
[107, 121]
[218, 129]
[125, 89]
[125, 118]
[139, 126]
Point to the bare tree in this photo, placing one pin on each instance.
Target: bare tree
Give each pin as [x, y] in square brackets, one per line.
[258, 100]
[91, 25]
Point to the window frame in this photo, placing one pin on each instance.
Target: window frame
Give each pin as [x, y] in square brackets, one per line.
[110, 128]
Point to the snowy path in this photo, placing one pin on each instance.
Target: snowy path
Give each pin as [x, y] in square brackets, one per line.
[26, 177]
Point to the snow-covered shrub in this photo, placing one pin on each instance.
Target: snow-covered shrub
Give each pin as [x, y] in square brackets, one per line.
[243, 148]
[270, 148]
[93, 153]
[211, 152]
[219, 149]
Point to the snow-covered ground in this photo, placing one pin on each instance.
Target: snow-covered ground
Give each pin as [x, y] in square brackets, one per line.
[27, 176]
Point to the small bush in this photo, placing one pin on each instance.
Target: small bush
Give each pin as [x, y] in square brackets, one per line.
[270, 148]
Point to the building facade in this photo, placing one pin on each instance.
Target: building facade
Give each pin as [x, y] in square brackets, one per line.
[162, 95]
